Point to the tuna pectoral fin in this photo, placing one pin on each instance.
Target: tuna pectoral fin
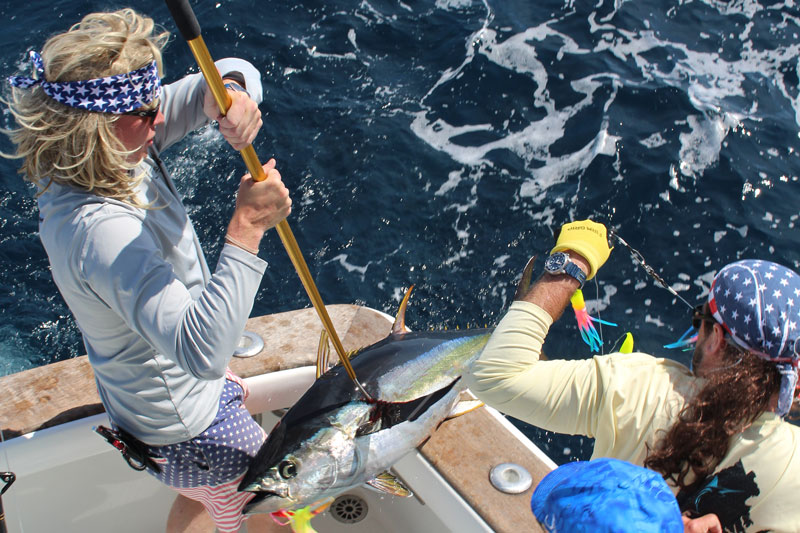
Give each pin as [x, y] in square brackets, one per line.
[463, 407]
[390, 484]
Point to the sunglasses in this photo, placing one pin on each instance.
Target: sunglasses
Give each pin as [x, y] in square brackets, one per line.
[700, 314]
[150, 114]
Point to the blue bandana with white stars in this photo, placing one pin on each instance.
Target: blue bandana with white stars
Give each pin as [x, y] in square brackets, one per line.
[758, 304]
[112, 94]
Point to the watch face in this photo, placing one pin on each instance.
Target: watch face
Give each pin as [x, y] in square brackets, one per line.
[555, 262]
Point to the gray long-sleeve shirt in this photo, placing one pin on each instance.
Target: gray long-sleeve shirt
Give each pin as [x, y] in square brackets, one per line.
[158, 326]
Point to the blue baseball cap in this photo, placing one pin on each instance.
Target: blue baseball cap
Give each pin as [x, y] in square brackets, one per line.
[605, 496]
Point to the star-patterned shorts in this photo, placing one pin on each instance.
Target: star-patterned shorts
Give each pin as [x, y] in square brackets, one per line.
[209, 467]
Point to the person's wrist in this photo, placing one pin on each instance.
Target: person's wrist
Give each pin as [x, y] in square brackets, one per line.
[239, 244]
[244, 235]
[579, 260]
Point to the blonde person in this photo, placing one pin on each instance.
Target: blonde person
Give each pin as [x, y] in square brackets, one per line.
[159, 326]
[715, 432]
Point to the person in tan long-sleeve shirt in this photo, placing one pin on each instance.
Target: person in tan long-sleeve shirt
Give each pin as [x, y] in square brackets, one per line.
[716, 433]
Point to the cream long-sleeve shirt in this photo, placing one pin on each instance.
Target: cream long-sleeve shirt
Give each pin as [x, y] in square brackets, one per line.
[625, 402]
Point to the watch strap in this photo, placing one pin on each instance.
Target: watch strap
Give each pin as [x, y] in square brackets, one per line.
[575, 271]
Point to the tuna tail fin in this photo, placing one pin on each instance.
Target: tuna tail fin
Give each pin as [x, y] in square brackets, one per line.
[525, 282]
[390, 484]
[400, 321]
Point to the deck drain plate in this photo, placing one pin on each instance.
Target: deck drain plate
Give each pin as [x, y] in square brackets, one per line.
[510, 478]
[249, 345]
[349, 509]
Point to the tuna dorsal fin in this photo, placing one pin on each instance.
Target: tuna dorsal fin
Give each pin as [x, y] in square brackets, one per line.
[525, 282]
[463, 407]
[390, 484]
[323, 354]
[400, 321]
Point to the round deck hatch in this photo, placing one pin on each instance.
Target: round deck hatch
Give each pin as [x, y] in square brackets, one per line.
[510, 478]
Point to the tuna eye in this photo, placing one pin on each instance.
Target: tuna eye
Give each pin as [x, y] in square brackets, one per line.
[287, 469]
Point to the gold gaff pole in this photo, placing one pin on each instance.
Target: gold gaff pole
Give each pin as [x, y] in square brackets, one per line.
[190, 29]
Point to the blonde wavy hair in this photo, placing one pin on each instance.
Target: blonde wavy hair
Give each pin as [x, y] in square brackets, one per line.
[75, 147]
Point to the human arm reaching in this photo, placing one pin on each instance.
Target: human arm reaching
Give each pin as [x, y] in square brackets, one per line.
[586, 244]
[509, 376]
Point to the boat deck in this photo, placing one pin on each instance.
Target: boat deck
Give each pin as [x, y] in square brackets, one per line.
[463, 450]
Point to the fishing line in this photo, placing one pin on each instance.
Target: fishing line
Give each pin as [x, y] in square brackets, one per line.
[617, 343]
[638, 258]
[597, 295]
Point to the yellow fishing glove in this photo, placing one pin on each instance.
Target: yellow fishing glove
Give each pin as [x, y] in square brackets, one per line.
[587, 238]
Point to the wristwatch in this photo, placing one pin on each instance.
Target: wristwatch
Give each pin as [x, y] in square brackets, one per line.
[559, 263]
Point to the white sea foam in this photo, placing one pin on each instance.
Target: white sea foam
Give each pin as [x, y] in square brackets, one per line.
[453, 4]
[349, 267]
[654, 141]
[453, 179]
[715, 86]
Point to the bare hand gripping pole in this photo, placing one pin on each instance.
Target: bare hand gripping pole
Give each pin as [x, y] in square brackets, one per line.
[190, 29]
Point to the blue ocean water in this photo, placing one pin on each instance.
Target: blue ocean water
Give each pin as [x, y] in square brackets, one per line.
[440, 143]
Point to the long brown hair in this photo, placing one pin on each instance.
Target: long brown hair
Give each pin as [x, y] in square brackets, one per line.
[731, 399]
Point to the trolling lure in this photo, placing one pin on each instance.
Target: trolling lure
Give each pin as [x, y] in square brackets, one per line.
[686, 342]
[300, 519]
[586, 322]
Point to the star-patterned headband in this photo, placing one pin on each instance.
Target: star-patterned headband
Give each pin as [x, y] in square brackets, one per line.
[758, 304]
[112, 94]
